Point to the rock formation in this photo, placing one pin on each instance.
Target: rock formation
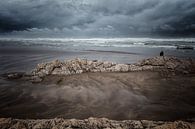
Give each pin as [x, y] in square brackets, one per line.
[166, 65]
[91, 123]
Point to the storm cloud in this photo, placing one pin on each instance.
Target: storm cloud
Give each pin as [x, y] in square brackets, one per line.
[98, 18]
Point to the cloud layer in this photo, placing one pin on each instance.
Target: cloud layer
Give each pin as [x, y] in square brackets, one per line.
[98, 18]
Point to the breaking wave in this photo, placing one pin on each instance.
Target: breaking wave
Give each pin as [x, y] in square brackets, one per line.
[99, 42]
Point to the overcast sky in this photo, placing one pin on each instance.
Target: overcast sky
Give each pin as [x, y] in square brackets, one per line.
[97, 18]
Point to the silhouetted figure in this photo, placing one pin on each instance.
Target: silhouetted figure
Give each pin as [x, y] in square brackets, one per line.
[161, 53]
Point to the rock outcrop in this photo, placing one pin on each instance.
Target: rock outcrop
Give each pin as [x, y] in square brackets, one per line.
[14, 75]
[165, 65]
[78, 66]
[91, 123]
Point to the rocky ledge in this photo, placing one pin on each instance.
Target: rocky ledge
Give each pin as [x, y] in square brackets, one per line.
[92, 123]
[165, 65]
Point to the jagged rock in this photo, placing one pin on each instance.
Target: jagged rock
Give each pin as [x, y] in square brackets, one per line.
[91, 123]
[5, 123]
[122, 68]
[19, 125]
[175, 125]
[156, 61]
[56, 63]
[137, 125]
[167, 66]
[41, 73]
[148, 67]
[78, 66]
[171, 65]
[57, 71]
[107, 64]
[41, 66]
[134, 67]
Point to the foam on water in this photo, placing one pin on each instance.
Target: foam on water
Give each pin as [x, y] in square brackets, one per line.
[99, 42]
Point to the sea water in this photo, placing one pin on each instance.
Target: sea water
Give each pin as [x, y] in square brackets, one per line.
[22, 54]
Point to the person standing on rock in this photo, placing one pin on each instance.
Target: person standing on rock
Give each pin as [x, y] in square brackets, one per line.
[162, 53]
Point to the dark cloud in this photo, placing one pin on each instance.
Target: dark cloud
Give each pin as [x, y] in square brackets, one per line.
[98, 17]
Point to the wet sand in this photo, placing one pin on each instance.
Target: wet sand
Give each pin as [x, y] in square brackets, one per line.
[119, 96]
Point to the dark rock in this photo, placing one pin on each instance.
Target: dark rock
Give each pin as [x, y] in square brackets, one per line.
[14, 75]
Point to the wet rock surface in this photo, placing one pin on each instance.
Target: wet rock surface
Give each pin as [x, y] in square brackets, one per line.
[77, 66]
[167, 66]
[14, 75]
[91, 123]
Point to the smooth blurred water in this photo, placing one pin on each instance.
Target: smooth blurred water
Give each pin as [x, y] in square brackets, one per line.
[23, 54]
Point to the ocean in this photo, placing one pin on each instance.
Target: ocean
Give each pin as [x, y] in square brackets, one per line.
[23, 54]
